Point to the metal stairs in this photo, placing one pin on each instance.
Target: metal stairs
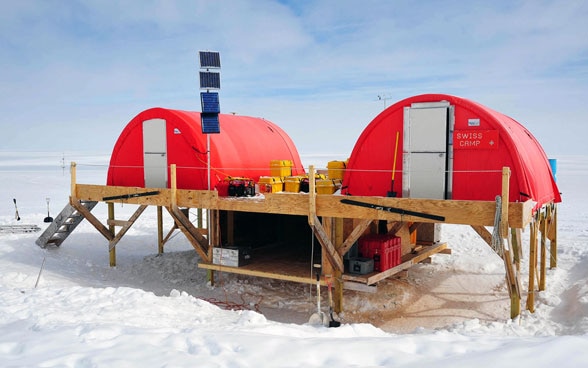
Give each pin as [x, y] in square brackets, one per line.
[63, 225]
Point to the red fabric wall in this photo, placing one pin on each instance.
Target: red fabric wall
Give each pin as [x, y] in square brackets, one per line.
[477, 173]
[244, 147]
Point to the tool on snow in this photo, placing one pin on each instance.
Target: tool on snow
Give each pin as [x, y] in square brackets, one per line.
[393, 210]
[332, 322]
[318, 318]
[48, 218]
[16, 215]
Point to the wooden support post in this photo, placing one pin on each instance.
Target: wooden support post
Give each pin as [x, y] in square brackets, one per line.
[532, 266]
[73, 174]
[199, 214]
[552, 235]
[516, 247]
[338, 275]
[174, 188]
[230, 228]
[159, 230]
[543, 266]
[327, 223]
[311, 196]
[512, 277]
[111, 228]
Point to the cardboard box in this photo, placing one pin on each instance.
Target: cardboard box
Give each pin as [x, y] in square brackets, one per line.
[231, 256]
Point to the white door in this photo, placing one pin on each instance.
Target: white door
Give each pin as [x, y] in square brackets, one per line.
[425, 151]
[155, 153]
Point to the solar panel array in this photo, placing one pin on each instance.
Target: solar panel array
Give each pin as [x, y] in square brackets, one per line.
[209, 59]
[209, 80]
[209, 100]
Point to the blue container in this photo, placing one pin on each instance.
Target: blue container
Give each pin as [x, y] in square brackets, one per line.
[553, 164]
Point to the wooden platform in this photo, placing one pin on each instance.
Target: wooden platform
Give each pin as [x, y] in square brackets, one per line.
[281, 266]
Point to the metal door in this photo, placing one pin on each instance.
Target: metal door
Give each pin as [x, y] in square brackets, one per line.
[155, 153]
[425, 151]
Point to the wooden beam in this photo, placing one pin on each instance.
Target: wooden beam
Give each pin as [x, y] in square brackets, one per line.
[199, 243]
[409, 261]
[543, 245]
[92, 219]
[484, 234]
[111, 228]
[352, 238]
[260, 273]
[311, 197]
[552, 236]
[334, 257]
[455, 212]
[160, 241]
[113, 242]
[73, 184]
[532, 267]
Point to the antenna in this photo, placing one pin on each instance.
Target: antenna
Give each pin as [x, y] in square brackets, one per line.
[384, 97]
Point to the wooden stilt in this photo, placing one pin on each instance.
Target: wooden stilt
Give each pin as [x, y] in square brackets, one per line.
[159, 230]
[552, 235]
[111, 251]
[543, 266]
[512, 277]
[532, 266]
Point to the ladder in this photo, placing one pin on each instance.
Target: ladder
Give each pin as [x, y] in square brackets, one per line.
[63, 225]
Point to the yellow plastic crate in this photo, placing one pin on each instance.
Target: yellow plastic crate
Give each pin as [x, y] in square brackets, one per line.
[292, 184]
[270, 184]
[280, 168]
[325, 186]
[336, 169]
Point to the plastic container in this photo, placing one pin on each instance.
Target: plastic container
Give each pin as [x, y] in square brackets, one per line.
[389, 249]
[336, 169]
[325, 186]
[270, 184]
[292, 184]
[280, 168]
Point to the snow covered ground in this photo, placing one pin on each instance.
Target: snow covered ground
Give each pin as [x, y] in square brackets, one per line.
[158, 310]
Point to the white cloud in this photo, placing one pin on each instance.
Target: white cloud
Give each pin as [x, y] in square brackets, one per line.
[284, 59]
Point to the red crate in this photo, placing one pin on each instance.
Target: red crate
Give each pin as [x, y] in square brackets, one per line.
[388, 246]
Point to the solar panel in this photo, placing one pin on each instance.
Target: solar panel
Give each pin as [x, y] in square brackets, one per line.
[209, 59]
[210, 80]
[210, 123]
[210, 102]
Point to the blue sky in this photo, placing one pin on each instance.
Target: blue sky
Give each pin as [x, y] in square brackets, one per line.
[74, 73]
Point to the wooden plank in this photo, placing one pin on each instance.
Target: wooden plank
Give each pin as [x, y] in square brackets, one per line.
[260, 273]
[355, 234]
[112, 244]
[334, 257]
[409, 261]
[199, 243]
[120, 223]
[484, 234]
[92, 219]
[311, 197]
[454, 211]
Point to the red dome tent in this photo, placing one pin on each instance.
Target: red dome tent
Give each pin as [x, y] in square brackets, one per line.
[448, 148]
[158, 137]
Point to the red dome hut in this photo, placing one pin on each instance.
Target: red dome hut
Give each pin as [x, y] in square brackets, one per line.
[158, 137]
[448, 147]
